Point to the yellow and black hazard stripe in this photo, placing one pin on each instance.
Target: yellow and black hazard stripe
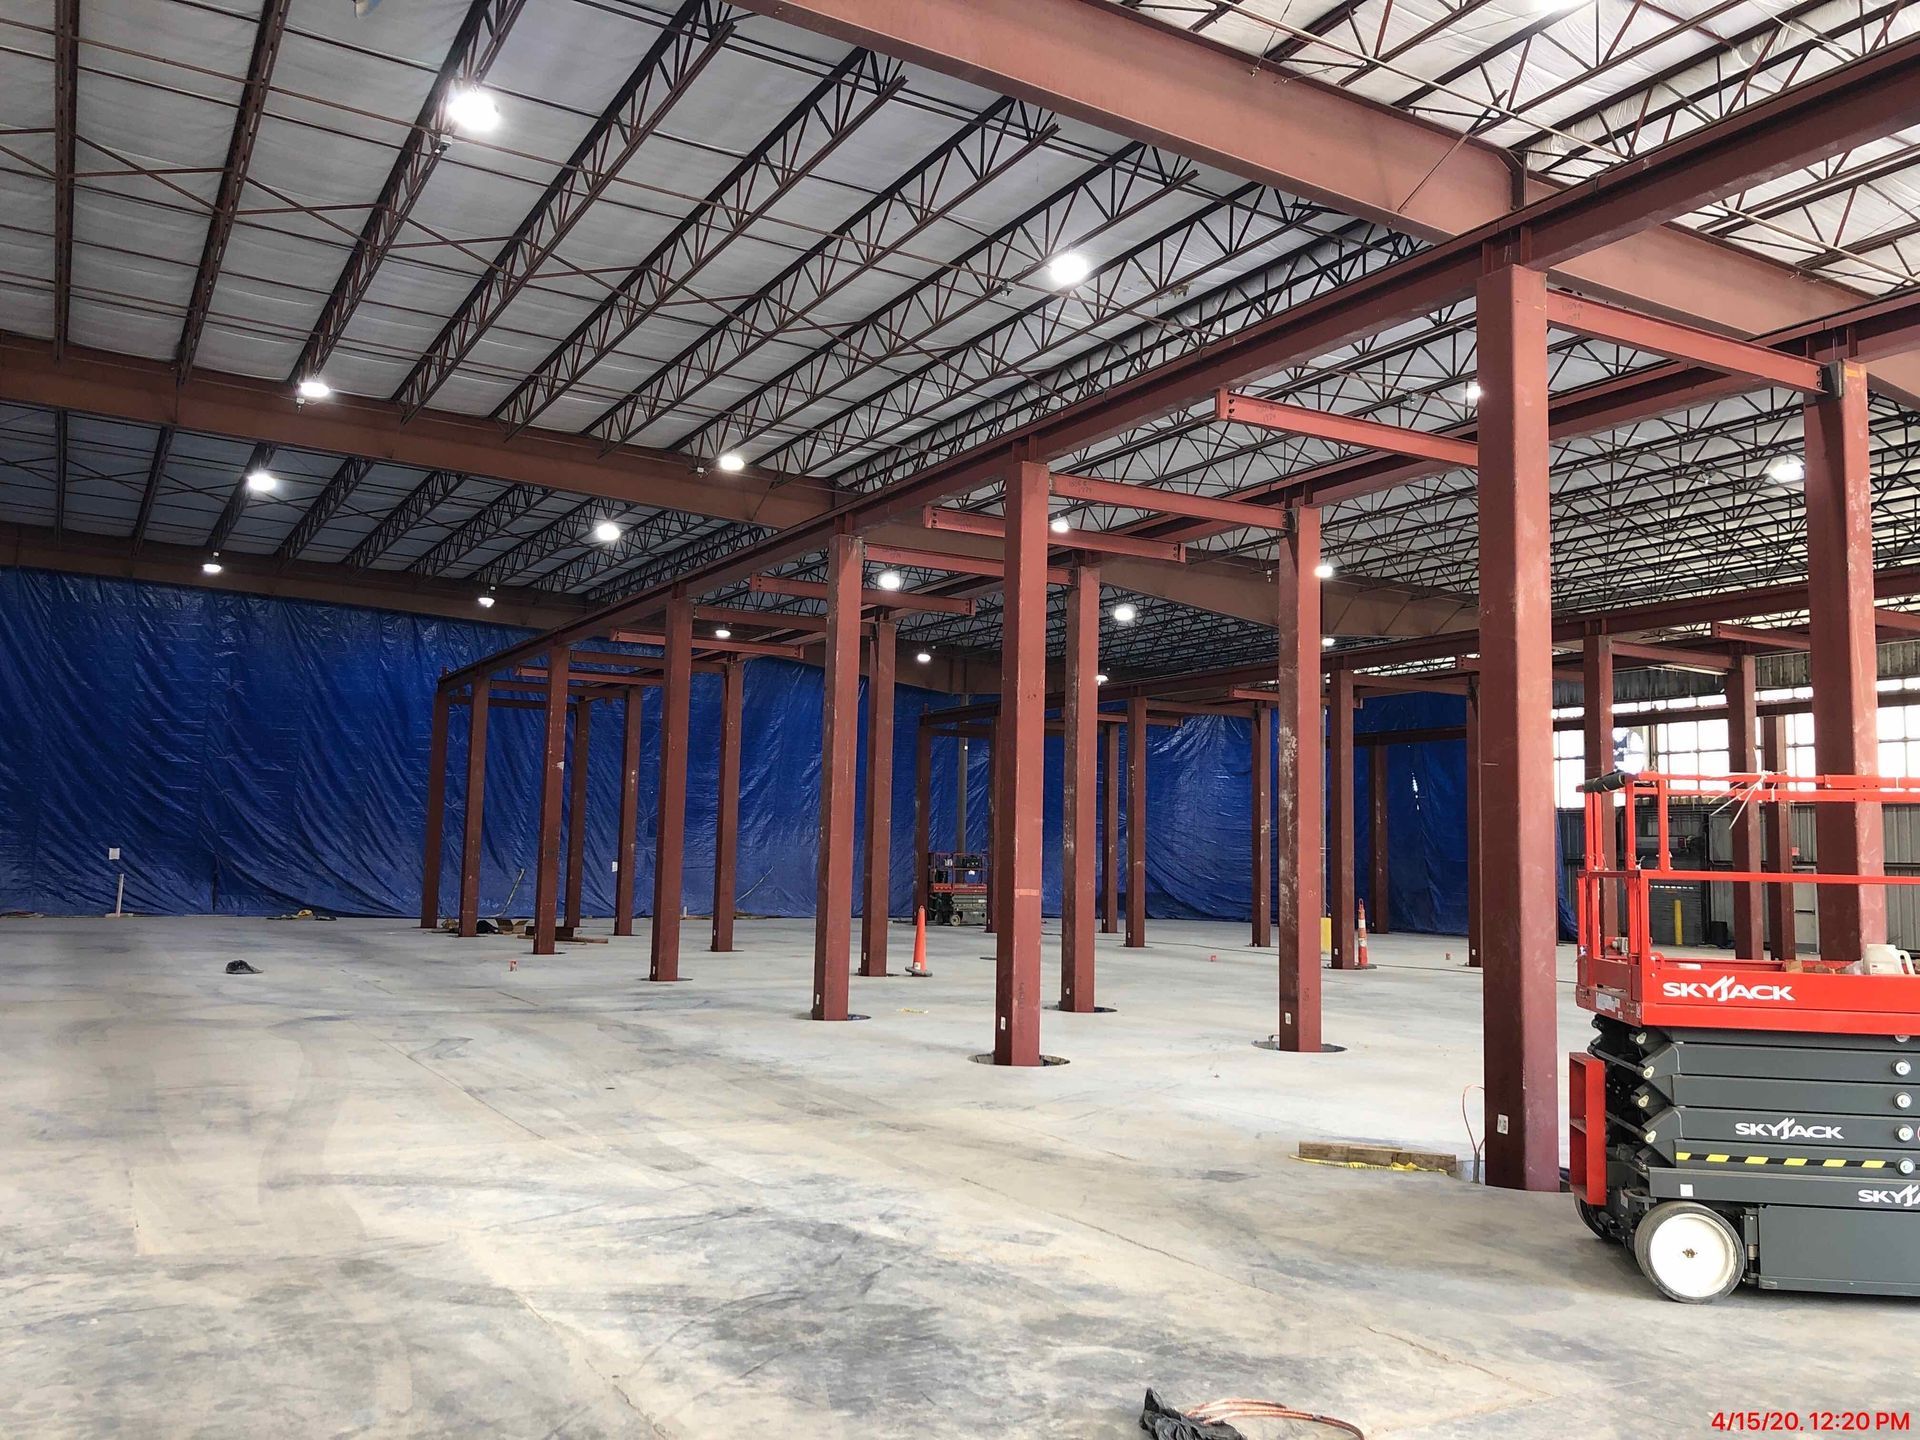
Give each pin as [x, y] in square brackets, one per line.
[1790, 1162]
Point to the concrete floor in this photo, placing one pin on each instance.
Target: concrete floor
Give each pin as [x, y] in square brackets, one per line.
[388, 1187]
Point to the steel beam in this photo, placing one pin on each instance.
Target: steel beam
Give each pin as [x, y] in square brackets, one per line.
[1298, 783]
[1250, 410]
[876, 905]
[1683, 342]
[1842, 662]
[473, 829]
[323, 507]
[577, 812]
[1110, 833]
[1117, 69]
[627, 856]
[922, 819]
[1773, 639]
[1094, 542]
[431, 845]
[1519, 891]
[259, 458]
[1079, 793]
[1342, 894]
[1261, 770]
[726, 822]
[66, 142]
[962, 769]
[414, 507]
[1168, 502]
[247, 115]
[1137, 726]
[1379, 896]
[553, 770]
[982, 565]
[888, 599]
[1596, 713]
[696, 34]
[1470, 814]
[1777, 822]
[839, 749]
[1021, 761]
[1743, 719]
[670, 821]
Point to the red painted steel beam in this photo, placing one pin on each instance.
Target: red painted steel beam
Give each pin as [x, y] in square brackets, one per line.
[839, 735]
[1097, 542]
[877, 903]
[1683, 342]
[1079, 792]
[1114, 68]
[888, 599]
[1343, 429]
[1136, 823]
[1470, 815]
[1842, 663]
[726, 821]
[553, 770]
[1167, 502]
[1298, 781]
[1519, 890]
[670, 820]
[627, 857]
[1898, 622]
[1673, 657]
[1110, 832]
[1021, 763]
[1596, 714]
[1780, 639]
[577, 811]
[473, 830]
[431, 846]
[922, 818]
[708, 644]
[1777, 824]
[983, 565]
[1261, 774]
[1743, 758]
[1341, 845]
[1379, 891]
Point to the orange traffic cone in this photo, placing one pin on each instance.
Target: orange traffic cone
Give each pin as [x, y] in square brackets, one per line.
[919, 965]
[1360, 938]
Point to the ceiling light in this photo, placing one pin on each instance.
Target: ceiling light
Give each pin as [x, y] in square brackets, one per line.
[473, 111]
[924, 658]
[723, 633]
[485, 602]
[1324, 570]
[1473, 392]
[889, 580]
[1066, 270]
[210, 567]
[313, 388]
[262, 482]
[606, 532]
[1125, 613]
[1326, 642]
[1787, 470]
[733, 462]
[1099, 679]
[1059, 525]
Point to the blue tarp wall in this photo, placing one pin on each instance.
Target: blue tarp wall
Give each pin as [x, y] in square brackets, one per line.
[250, 756]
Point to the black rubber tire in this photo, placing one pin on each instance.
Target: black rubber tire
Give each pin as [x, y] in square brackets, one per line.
[1599, 1221]
[1646, 1233]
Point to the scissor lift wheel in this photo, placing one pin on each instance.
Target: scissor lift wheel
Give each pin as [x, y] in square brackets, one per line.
[1689, 1252]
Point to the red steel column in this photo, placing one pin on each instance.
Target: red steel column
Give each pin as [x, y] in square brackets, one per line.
[473, 834]
[962, 768]
[1749, 923]
[670, 824]
[1136, 824]
[577, 811]
[431, 847]
[1079, 793]
[1596, 718]
[1340, 830]
[553, 771]
[1777, 821]
[1110, 836]
[1518, 887]
[1021, 763]
[993, 823]
[623, 880]
[839, 747]
[726, 820]
[879, 850]
[922, 815]
[1842, 661]
[1297, 781]
[1472, 808]
[1380, 907]
[1262, 935]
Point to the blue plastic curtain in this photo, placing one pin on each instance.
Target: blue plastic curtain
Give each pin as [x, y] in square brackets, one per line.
[251, 756]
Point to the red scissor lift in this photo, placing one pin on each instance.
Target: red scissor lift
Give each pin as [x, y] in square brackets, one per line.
[1744, 1117]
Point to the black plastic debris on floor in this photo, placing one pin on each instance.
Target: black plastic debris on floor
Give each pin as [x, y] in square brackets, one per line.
[240, 967]
[1163, 1422]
